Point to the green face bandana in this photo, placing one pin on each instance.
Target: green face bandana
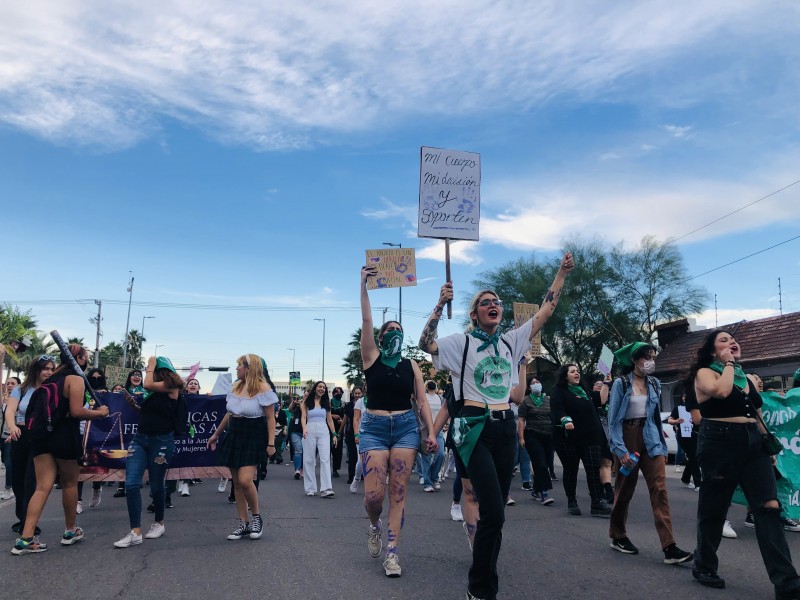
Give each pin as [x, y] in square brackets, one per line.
[391, 347]
[739, 378]
[579, 391]
[537, 399]
[486, 339]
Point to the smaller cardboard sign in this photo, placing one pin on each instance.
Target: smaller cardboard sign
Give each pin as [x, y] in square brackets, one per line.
[606, 360]
[396, 267]
[522, 312]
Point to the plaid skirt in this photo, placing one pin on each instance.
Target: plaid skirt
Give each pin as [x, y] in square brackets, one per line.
[244, 444]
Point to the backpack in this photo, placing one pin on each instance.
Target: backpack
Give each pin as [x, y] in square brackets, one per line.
[47, 408]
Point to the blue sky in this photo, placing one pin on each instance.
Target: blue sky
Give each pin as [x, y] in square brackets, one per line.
[249, 157]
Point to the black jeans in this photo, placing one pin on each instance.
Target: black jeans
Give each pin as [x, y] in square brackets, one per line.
[571, 455]
[490, 469]
[730, 454]
[539, 448]
[692, 470]
[352, 455]
[336, 455]
[23, 475]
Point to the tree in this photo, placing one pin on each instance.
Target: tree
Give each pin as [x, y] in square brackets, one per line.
[41, 344]
[352, 365]
[651, 285]
[135, 342]
[14, 325]
[612, 297]
[75, 340]
[111, 354]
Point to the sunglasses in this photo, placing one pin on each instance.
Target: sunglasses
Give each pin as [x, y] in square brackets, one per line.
[491, 302]
[47, 358]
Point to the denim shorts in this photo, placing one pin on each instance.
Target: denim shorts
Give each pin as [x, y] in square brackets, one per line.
[384, 432]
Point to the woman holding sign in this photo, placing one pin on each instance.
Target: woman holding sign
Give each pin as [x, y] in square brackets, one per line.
[389, 435]
[734, 449]
[483, 365]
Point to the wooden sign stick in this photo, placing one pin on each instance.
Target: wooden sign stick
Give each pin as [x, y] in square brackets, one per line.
[447, 273]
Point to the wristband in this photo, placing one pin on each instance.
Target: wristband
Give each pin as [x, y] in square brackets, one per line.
[270, 445]
[730, 363]
[566, 420]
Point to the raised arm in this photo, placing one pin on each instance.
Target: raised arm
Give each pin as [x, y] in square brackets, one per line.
[369, 349]
[427, 341]
[553, 295]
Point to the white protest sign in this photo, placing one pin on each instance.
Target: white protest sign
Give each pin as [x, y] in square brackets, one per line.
[223, 385]
[449, 194]
[606, 360]
[686, 426]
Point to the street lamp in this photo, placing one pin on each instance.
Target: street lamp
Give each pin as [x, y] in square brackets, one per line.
[128, 322]
[291, 387]
[293, 352]
[323, 348]
[400, 289]
[157, 347]
[141, 335]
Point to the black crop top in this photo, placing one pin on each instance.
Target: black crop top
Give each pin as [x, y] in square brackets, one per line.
[735, 405]
[390, 389]
[158, 414]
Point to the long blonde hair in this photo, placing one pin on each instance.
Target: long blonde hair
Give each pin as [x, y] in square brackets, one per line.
[254, 375]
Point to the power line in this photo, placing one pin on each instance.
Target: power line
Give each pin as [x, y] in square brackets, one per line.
[736, 211]
[743, 258]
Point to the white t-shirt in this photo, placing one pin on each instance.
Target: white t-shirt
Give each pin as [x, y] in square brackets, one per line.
[435, 402]
[359, 405]
[489, 378]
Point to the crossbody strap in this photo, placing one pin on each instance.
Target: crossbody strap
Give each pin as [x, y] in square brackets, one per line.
[463, 366]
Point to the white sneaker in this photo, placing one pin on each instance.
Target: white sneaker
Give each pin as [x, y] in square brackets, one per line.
[327, 494]
[437, 486]
[156, 531]
[391, 566]
[427, 488]
[422, 481]
[79, 507]
[455, 513]
[129, 540]
[223, 485]
[97, 497]
[184, 489]
[728, 532]
[354, 486]
[679, 468]
[8, 494]
[689, 485]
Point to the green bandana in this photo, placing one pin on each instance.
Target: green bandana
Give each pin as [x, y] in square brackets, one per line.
[537, 399]
[486, 339]
[162, 362]
[624, 355]
[391, 347]
[336, 403]
[739, 378]
[579, 391]
[136, 390]
[466, 431]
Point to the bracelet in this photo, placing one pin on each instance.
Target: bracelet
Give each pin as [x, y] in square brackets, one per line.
[730, 363]
[270, 445]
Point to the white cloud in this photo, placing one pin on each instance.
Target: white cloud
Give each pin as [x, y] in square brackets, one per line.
[680, 132]
[391, 210]
[709, 319]
[290, 75]
[465, 253]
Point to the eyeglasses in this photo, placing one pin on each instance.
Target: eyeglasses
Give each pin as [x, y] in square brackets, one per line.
[491, 302]
[47, 358]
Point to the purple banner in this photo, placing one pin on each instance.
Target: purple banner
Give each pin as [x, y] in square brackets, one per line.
[106, 441]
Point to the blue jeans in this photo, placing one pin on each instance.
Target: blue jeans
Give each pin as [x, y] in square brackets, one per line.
[297, 450]
[151, 452]
[432, 463]
[522, 459]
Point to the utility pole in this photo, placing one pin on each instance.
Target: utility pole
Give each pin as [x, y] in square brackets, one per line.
[385, 308]
[128, 323]
[780, 297]
[97, 339]
[323, 348]
[716, 316]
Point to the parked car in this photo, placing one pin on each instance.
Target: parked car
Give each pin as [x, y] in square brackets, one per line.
[670, 436]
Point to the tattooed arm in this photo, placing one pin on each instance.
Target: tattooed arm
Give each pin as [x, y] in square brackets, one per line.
[369, 349]
[553, 295]
[427, 341]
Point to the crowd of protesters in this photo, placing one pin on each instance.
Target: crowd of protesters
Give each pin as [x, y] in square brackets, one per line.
[493, 418]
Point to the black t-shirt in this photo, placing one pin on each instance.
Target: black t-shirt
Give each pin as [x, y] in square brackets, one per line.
[158, 414]
[390, 388]
[295, 425]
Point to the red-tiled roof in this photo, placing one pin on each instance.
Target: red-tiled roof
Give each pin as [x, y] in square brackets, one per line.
[774, 339]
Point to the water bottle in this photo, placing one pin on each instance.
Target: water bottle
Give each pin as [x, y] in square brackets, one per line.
[626, 470]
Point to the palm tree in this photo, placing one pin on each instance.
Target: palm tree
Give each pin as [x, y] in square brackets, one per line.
[353, 367]
[41, 343]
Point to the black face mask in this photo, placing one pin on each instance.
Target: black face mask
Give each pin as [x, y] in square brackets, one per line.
[97, 383]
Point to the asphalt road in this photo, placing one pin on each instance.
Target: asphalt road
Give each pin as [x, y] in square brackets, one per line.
[316, 548]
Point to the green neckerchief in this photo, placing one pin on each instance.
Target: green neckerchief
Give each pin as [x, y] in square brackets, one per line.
[486, 339]
[466, 431]
[336, 403]
[391, 347]
[578, 391]
[739, 378]
[537, 399]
